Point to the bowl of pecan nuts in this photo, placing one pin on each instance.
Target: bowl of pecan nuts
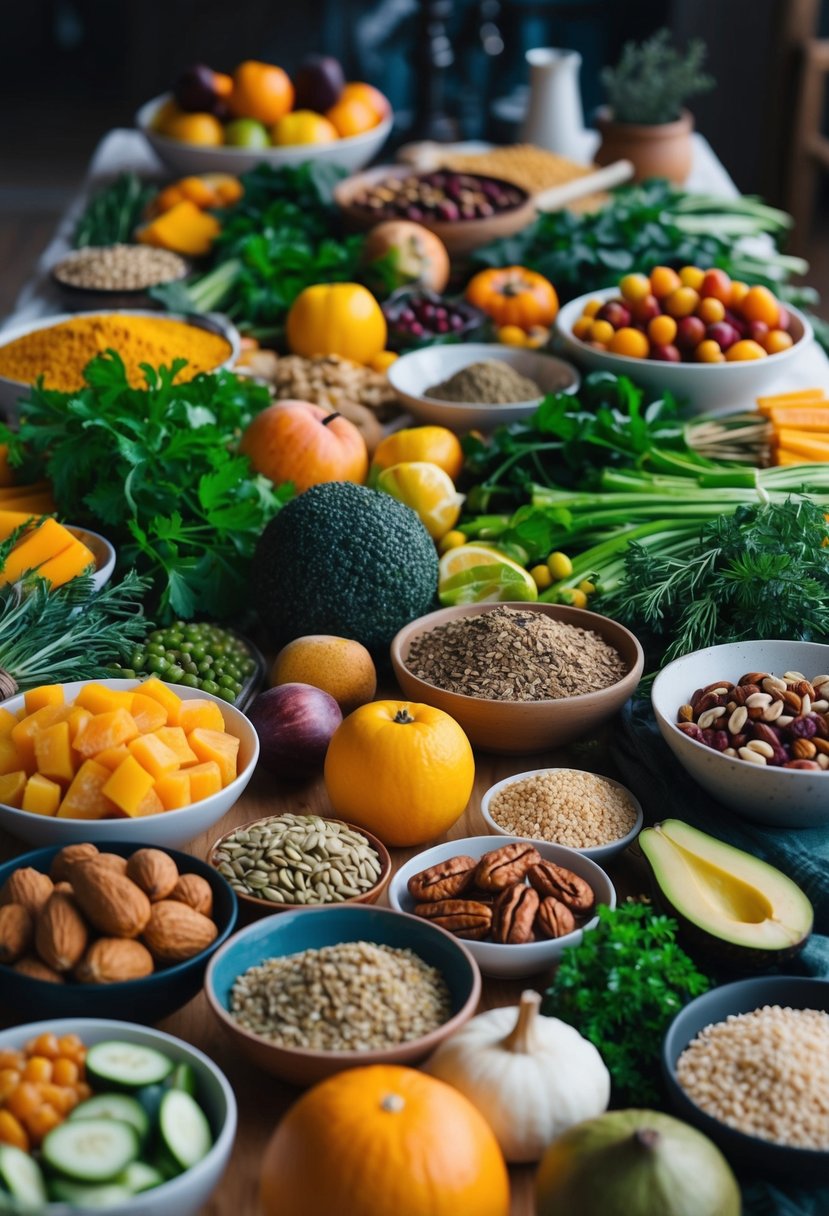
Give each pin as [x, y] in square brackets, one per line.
[749, 721]
[517, 904]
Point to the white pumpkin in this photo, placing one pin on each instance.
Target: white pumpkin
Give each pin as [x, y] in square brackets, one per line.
[530, 1076]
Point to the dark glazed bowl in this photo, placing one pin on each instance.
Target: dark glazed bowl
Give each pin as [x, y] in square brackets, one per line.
[147, 1000]
[761, 1158]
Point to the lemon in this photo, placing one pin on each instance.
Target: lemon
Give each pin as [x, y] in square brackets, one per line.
[428, 490]
[476, 573]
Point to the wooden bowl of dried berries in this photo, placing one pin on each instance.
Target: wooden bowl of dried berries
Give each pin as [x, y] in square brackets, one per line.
[519, 677]
[584, 811]
[749, 721]
[516, 903]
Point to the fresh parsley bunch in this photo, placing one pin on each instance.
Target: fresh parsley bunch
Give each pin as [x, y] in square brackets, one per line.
[620, 987]
[156, 470]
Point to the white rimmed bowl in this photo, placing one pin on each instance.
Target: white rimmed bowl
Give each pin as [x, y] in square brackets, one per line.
[350, 153]
[774, 797]
[168, 828]
[13, 391]
[599, 853]
[103, 551]
[186, 1194]
[704, 386]
[411, 375]
[509, 962]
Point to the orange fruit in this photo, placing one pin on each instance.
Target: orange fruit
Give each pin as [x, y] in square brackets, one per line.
[303, 127]
[202, 129]
[581, 329]
[662, 330]
[601, 331]
[711, 310]
[435, 444]
[353, 117]
[717, 284]
[739, 291]
[743, 350]
[592, 307]
[709, 351]
[681, 302]
[356, 90]
[759, 304]
[634, 286]
[630, 342]
[664, 280]
[339, 666]
[775, 341]
[691, 276]
[261, 91]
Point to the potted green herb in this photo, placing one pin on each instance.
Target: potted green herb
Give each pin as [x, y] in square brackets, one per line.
[646, 121]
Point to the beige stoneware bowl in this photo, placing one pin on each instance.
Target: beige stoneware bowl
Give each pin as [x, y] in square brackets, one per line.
[520, 727]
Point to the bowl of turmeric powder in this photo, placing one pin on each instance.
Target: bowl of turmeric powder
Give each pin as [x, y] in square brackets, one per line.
[58, 348]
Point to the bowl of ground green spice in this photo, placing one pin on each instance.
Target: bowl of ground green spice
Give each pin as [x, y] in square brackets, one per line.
[520, 677]
[477, 385]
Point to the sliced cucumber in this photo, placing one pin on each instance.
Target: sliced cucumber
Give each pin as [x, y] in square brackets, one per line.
[115, 1106]
[126, 1065]
[183, 1077]
[21, 1178]
[90, 1150]
[139, 1176]
[185, 1132]
[89, 1198]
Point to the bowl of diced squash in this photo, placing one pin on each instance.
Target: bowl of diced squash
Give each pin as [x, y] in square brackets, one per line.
[121, 760]
[55, 551]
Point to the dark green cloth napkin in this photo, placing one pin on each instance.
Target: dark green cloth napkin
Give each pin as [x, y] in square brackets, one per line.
[647, 766]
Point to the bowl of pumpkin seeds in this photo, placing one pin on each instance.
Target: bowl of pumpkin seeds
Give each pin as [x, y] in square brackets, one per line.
[290, 861]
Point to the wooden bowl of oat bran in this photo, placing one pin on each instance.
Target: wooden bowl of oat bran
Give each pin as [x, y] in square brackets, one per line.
[515, 702]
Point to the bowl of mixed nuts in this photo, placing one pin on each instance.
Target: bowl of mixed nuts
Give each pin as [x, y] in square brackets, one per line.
[516, 903]
[315, 991]
[290, 861]
[749, 721]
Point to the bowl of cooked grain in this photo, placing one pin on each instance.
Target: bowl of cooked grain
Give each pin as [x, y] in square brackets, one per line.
[311, 992]
[519, 677]
[748, 1064]
[594, 815]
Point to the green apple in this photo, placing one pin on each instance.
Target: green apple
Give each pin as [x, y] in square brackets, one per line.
[246, 133]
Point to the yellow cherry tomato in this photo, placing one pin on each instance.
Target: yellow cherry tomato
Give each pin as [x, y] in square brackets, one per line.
[664, 280]
[682, 302]
[744, 350]
[709, 351]
[711, 310]
[634, 287]
[586, 586]
[512, 335]
[601, 331]
[775, 341]
[662, 330]
[452, 540]
[630, 342]
[582, 327]
[541, 577]
[691, 276]
[575, 596]
[559, 565]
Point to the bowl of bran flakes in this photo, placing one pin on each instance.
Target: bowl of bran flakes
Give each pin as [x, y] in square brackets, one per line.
[514, 683]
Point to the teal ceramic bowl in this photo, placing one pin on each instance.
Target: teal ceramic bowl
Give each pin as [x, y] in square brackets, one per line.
[312, 928]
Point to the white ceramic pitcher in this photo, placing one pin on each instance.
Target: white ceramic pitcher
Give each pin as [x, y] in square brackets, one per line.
[554, 118]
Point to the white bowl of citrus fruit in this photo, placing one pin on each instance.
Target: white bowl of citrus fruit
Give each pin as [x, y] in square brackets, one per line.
[120, 759]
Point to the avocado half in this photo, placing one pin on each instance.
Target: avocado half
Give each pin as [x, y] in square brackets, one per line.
[730, 905]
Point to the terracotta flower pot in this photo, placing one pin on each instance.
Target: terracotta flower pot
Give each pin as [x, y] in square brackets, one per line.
[658, 150]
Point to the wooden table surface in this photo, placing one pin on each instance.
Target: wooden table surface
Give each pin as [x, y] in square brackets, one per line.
[262, 1099]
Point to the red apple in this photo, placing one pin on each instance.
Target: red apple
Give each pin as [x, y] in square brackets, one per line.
[690, 331]
[294, 723]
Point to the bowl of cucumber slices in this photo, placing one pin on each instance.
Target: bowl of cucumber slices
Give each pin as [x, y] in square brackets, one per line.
[147, 1129]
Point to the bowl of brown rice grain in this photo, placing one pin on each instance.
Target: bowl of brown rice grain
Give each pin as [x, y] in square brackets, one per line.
[519, 677]
[748, 1064]
[595, 815]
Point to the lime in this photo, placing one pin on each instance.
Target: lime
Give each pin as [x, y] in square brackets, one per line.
[475, 574]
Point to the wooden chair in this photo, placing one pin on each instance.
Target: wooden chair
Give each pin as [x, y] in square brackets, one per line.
[810, 151]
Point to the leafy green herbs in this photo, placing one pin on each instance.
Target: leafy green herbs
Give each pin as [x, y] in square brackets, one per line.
[111, 217]
[156, 470]
[642, 227]
[70, 632]
[762, 572]
[620, 987]
[281, 237]
[652, 79]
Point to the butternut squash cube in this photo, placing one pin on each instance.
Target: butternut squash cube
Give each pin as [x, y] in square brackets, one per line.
[8, 723]
[41, 796]
[111, 757]
[128, 785]
[205, 780]
[106, 730]
[85, 797]
[12, 786]
[23, 734]
[154, 755]
[99, 699]
[173, 790]
[77, 720]
[68, 564]
[150, 804]
[10, 758]
[185, 228]
[165, 696]
[199, 712]
[53, 753]
[46, 541]
[149, 714]
[176, 740]
[219, 746]
[47, 694]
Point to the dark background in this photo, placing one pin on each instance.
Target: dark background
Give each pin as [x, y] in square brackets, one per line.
[72, 69]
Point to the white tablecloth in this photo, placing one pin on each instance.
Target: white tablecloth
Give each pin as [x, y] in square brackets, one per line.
[123, 150]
